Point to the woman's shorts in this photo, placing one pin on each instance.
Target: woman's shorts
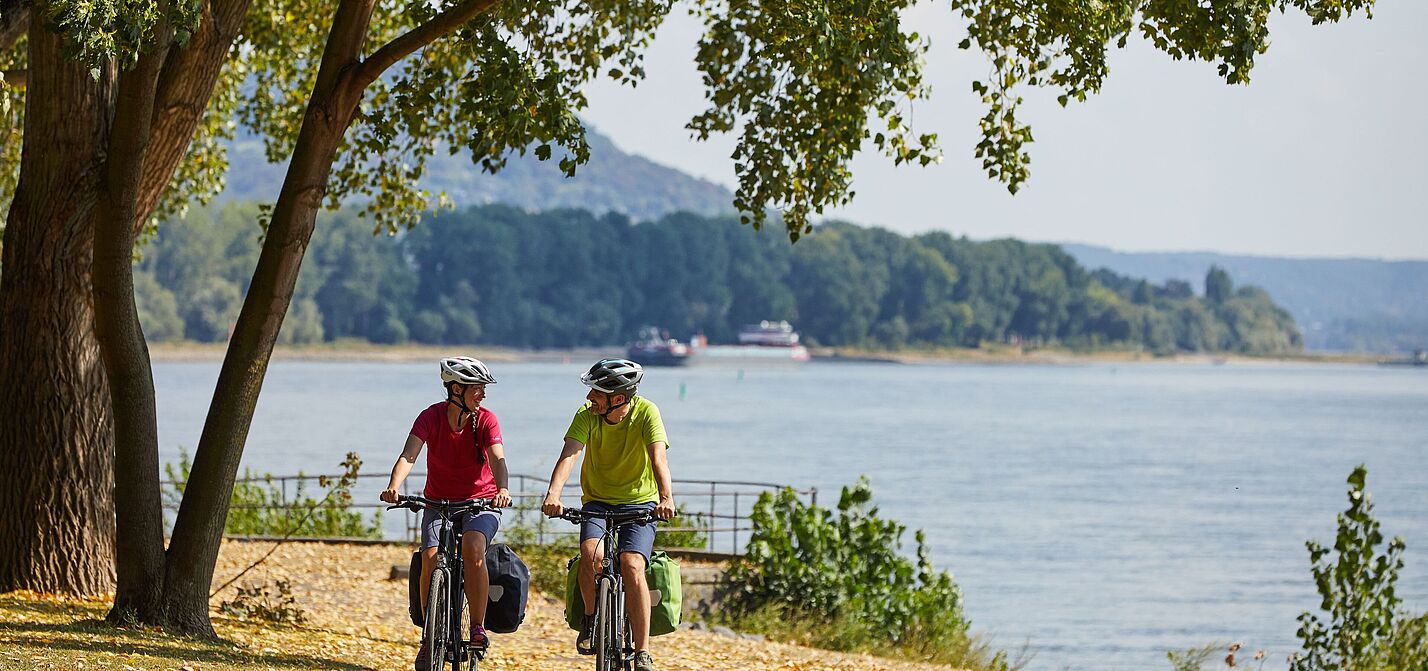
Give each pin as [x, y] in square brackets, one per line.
[631, 537]
[485, 523]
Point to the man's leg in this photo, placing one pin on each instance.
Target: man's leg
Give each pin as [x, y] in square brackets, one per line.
[637, 598]
[590, 558]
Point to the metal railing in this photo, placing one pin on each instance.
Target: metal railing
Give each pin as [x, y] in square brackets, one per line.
[716, 509]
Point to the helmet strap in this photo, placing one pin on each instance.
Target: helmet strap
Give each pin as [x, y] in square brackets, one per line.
[458, 399]
[606, 415]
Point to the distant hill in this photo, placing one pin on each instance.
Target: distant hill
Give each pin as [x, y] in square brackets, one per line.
[613, 181]
[1340, 304]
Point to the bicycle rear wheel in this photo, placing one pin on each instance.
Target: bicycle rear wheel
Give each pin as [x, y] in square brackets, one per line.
[438, 615]
[607, 625]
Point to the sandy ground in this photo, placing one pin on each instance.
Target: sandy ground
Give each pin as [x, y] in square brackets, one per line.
[345, 590]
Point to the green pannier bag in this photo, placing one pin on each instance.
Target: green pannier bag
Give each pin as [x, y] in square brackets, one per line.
[666, 594]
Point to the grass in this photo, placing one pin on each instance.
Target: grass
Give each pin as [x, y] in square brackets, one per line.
[38, 632]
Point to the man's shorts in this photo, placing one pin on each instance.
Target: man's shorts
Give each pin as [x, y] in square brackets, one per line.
[631, 537]
[485, 523]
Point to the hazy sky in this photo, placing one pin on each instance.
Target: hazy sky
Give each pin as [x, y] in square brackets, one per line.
[1325, 153]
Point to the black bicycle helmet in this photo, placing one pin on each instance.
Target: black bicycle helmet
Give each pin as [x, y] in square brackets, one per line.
[614, 376]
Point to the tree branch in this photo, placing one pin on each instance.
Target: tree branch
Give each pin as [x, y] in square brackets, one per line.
[185, 85]
[416, 38]
[16, 79]
[14, 22]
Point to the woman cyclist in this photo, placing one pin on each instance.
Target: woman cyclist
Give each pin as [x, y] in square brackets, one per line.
[466, 460]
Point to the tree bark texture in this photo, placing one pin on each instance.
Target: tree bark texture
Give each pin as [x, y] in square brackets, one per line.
[56, 446]
[14, 21]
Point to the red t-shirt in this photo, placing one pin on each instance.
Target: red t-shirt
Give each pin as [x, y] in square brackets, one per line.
[452, 470]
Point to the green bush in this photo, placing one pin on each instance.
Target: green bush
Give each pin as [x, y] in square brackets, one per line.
[547, 561]
[840, 582]
[521, 525]
[697, 535]
[257, 507]
[547, 564]
[1363, 628]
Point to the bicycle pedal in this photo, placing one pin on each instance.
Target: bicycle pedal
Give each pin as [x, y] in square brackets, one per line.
[478, 650]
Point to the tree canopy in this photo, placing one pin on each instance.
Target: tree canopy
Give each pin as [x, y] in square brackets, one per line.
[124, 105]
[804, 85]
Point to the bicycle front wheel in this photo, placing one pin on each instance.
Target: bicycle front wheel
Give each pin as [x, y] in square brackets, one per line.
[438, 615]
[607, 625]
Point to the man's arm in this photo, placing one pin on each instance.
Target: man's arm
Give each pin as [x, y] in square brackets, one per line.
[563, 466]
[497, 454]
[659, 461]
[402, 468]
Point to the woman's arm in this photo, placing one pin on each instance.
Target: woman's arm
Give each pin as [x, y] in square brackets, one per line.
[497, 454]
[402, 468]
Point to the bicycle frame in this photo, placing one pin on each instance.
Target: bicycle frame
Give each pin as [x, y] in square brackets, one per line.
[448, 645]
[613, 649]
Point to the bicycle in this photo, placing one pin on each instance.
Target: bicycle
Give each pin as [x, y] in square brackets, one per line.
[613, 649]
[442, 631]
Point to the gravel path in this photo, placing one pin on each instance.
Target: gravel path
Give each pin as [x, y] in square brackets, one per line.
[345, 592]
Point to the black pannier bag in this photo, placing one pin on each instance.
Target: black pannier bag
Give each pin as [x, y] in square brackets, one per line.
[510, 585]
[415, 608]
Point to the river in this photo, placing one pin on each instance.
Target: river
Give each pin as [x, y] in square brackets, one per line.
[1097, 514]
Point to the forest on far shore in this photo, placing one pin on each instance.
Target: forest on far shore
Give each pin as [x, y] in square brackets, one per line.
[569, 278]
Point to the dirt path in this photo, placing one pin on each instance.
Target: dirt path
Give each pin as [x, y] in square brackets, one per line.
[346, 593]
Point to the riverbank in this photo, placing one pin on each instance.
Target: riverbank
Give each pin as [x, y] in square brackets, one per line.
[357, 350]
[1012, 354]
[987, 354]
[355, 619]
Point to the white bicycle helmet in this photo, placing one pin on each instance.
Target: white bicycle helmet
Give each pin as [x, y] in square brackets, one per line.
[465, 370]
[614, 376]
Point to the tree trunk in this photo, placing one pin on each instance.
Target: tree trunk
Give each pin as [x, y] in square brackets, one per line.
[140, 549]
[56, 450]
[198, 529]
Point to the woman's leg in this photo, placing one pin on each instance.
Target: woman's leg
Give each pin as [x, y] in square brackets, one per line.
[478, 582]
[428, 563]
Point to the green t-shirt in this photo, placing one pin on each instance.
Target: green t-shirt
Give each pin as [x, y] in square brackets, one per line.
[616, 468]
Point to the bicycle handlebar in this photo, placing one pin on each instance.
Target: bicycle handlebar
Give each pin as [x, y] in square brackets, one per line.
[578, 516]
[418, 503]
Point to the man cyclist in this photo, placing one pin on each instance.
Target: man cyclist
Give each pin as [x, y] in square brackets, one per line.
[625, 470]
[466, 460]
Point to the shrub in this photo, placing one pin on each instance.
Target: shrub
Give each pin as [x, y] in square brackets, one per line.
[839, 581]
[547, 564]
[257, 507]
[1362, 629]
[697, 535]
